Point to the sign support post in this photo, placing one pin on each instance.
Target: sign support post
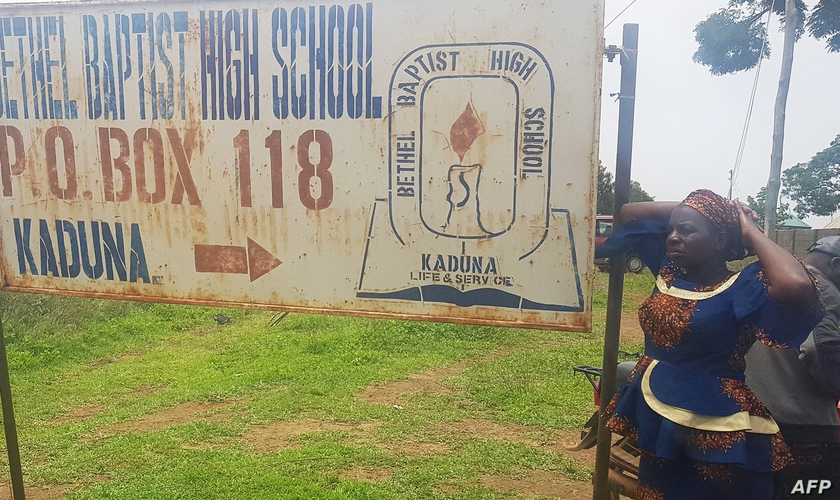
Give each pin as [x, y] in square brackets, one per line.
[9, 426]
[627, 107]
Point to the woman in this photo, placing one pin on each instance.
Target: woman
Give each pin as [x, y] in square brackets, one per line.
[702, 432]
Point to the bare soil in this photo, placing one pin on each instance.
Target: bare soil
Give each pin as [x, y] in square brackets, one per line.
[52, 492]
[425, 382]
[630, 329]
[368, 474]
[285, 434]
[541, 484]
[78, 414]
[179, 414]
[146, 390]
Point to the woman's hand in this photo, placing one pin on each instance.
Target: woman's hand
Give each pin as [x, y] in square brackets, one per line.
[787, 280]
[750, 230]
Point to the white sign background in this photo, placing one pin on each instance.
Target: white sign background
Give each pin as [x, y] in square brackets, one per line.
[421, 160]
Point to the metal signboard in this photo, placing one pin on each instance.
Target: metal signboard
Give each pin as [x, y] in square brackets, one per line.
[421, 160]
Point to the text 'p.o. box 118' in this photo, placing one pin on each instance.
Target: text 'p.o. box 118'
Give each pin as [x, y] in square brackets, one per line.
[419, 160]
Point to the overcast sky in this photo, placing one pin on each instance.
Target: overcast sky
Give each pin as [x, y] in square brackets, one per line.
[689, 122]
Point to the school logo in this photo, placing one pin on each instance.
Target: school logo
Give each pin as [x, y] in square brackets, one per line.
[469, 219]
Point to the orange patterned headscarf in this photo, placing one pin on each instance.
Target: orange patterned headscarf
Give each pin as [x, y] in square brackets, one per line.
[722, 215]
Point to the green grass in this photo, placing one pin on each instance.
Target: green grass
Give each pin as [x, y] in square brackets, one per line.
[85, 371]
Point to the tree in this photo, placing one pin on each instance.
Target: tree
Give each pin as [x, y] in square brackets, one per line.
[637, 193]
[732, 40]
[815, 186]
[759, 204]
[606, 192]
[824, 23]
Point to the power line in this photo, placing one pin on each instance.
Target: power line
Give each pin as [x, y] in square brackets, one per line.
[619, 14]
[742, 145]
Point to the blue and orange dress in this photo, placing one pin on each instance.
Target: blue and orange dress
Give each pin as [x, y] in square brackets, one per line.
[702, 431]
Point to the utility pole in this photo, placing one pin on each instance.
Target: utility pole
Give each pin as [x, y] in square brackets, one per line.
[731, 181]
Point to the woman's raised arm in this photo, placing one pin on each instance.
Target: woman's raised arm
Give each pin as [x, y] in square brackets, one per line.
[788, 282]
[638, 210]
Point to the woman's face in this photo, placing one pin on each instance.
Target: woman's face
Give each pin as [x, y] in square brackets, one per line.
[693, 239]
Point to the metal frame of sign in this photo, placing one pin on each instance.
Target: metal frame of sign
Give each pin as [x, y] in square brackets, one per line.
[388, 159]
[379, 159]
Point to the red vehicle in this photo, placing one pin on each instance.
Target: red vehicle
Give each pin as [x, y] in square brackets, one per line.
[603, 230]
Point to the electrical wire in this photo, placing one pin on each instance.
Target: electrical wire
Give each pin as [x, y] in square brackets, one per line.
[744, 132]
[620, 13]
[742, 145]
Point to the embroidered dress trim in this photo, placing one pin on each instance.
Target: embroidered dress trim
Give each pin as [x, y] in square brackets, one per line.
[681, 293]
[741, 421]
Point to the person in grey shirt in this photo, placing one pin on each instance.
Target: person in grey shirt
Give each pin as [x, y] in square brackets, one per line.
[801, 387]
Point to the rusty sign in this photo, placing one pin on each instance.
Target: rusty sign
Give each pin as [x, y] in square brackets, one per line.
[392, 158]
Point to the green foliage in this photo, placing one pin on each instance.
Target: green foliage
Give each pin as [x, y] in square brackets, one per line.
[729, 42]
[815, 186]
[824, 23]
[730, 39]
[759, 202]
[637, 193]
[606, 192]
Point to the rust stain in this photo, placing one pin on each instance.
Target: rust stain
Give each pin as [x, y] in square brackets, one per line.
[275, 145]
[193, 30]
[198, 226]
